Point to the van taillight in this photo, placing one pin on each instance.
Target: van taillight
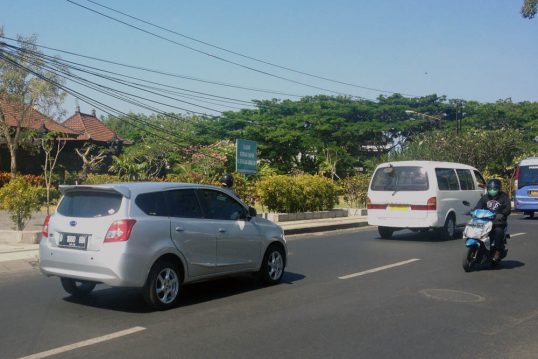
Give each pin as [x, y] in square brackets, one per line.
[119, 231]
[432, 204]
[45, 230]
[371, 205]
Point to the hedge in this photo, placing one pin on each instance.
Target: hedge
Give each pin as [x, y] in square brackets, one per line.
[292, 194]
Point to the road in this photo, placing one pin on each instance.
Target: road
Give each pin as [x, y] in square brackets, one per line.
[407, 297]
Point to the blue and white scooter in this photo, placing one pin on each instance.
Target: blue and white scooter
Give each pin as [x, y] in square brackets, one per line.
[480, 249]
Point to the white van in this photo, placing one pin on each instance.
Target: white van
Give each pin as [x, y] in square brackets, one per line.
[420, 195]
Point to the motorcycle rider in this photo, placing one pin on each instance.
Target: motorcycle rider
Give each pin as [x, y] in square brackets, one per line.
[227, 181]
[496, 201]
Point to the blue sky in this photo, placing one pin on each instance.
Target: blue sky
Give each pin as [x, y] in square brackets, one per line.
[479, 50]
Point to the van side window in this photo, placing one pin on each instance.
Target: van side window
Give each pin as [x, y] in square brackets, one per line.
[447, 179]
[481, 181]
[184, 204]
[152, 204]
[466, 179]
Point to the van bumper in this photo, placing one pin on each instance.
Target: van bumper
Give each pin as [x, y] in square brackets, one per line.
[431, 220]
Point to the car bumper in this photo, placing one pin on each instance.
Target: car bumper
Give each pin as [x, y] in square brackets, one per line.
[111, 265]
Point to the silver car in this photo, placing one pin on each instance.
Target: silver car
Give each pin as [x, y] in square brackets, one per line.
[156, 236]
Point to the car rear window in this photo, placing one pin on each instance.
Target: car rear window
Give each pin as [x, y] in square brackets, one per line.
[401, 178]
[89, 204]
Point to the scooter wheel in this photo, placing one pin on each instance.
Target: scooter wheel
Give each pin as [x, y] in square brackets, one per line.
[469, 260]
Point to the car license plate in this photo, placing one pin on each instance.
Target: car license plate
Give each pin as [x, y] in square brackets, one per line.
[72, 240]
[398, 208]
[533, 193]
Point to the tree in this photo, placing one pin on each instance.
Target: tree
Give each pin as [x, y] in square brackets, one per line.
[52, 144]
[529, 8]
[91, 158]
[24, 85]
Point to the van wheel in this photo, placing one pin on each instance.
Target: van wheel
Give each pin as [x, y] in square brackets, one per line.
[531, 215]
[448, 231]
[385, 232]
[77, 288]
[163, 285]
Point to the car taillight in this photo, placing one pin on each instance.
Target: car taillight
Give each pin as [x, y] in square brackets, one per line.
[45, 230]
[370, 205]
[119, 231]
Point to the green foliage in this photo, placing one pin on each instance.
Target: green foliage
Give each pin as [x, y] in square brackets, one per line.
[94, 178]
[529, 8]
[493, 151]
[355, 190]
[21, 199]
[297, 193]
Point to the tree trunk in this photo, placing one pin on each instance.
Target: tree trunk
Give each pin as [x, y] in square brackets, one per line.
[13, 154]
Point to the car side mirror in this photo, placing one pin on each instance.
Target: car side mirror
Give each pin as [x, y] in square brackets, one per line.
[252, 212]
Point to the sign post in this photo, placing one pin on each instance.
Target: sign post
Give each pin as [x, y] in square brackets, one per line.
[245, 156]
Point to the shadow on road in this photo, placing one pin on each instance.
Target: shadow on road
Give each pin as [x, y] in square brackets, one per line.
[430, 236]
[130, 300]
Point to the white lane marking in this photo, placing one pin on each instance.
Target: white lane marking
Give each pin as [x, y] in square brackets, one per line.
[373, 270]
[84, 343]
[517, 234]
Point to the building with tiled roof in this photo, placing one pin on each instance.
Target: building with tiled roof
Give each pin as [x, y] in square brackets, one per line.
[91, 128]
[10, 114]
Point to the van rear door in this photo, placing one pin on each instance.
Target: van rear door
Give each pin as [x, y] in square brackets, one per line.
[400, 192]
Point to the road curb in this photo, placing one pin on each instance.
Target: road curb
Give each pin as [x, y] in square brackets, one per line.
[324, 227]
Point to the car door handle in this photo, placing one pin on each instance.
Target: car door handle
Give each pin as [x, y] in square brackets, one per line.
[222, 230]
[465, 203]
[179, 229]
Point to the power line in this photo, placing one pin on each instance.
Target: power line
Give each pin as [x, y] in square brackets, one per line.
[231, 100]
[160, 72]
[99, 105]
[245, 56]
[214, 56]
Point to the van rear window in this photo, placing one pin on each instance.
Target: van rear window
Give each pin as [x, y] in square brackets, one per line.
[89, 204]
[404, 178]
[528, 176]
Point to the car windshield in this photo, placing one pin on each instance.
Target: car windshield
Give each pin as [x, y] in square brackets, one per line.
[528, 175]
[89, 204]
[404, 178]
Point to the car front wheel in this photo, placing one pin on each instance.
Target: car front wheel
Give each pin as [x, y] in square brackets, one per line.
[272, 268]
[77, 288]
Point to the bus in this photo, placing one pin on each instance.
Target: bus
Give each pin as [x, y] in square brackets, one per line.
[526, 186]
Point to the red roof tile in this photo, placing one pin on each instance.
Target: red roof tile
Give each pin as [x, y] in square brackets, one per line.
[91, 128]
[33, 118]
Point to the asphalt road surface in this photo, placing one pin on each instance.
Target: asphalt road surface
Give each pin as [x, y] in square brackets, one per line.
[346, 294]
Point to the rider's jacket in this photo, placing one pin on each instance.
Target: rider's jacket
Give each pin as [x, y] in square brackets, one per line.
[500, 204]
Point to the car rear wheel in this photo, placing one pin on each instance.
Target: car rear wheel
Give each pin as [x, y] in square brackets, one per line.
[163, 285]
[77, 288]
[272, 268]
[385, 232]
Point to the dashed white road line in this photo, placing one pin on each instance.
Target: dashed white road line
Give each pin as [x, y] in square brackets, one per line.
[84, 343]
[373, 270]
[517, 234]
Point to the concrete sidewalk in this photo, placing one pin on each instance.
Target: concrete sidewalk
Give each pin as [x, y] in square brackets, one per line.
[16, 257]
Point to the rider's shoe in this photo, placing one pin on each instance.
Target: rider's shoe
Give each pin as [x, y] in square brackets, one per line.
[497, 256]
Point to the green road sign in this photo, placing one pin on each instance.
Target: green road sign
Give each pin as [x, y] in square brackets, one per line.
[245, 156]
